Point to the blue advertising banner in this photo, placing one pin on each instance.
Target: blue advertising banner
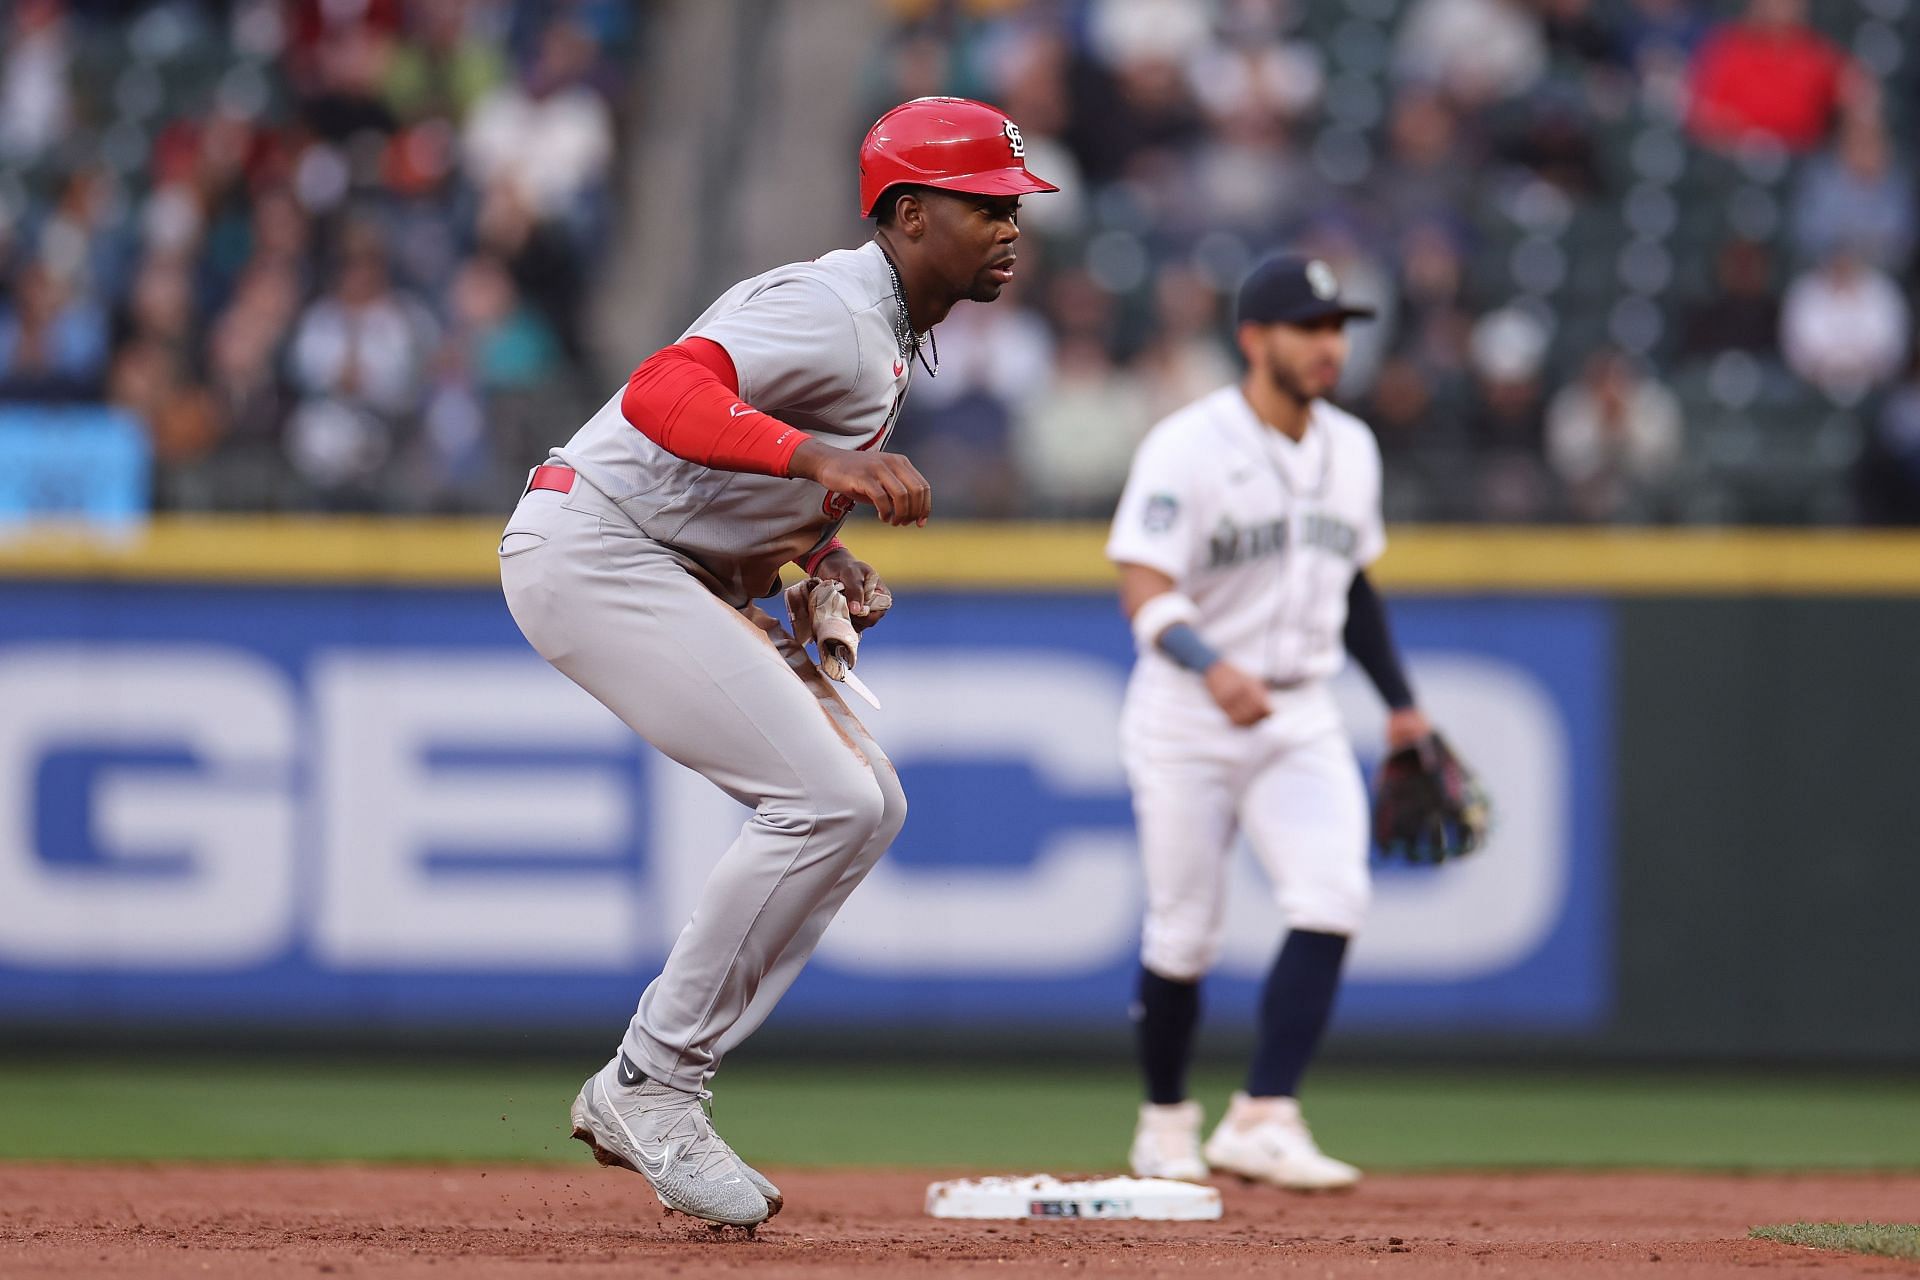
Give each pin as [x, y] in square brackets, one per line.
[259, 806]
[73, 463]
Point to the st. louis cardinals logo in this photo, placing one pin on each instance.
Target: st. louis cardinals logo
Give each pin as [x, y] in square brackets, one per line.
[1015, 142]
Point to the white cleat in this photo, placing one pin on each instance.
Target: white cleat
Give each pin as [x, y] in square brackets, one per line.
[664, 1135]
[1166, 1143]
[1266, 1140]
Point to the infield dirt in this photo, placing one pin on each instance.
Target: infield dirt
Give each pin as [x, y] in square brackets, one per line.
[536, 1222]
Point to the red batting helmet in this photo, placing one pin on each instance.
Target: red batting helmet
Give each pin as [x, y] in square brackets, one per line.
[955, 144]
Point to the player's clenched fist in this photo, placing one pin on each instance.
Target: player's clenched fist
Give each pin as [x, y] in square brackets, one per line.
[887, 482]
[1240, 695]
[867, 596]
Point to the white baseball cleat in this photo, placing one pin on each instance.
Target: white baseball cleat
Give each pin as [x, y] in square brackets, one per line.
[1166, 1142]
[1267, 1140]
[761, 1182]
[664, 1135]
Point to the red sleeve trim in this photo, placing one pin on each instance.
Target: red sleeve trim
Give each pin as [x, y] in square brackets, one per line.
[685, 399]
[812, 563]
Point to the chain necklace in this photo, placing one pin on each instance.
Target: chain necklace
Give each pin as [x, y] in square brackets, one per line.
[1275, 453]
[910, 343]
[1272, 450]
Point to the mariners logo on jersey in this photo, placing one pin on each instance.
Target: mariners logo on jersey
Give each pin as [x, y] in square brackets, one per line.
[1330, 533]
[1261, 532]
[1233, 544]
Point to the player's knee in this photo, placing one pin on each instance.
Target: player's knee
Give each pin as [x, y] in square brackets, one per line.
[1177, 955]
[1330, 907]
[893, 811]
[854, 801]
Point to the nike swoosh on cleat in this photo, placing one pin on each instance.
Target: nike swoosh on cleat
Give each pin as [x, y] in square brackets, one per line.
[666, 1154]
[630, 1075]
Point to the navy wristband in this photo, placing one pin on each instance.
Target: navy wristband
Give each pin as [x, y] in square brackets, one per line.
[1184, 645]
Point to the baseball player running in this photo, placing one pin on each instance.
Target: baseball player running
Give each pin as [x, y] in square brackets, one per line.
[1242, 540]
[635, 555]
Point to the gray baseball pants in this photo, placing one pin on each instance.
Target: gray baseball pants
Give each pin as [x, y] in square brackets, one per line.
[727, 693]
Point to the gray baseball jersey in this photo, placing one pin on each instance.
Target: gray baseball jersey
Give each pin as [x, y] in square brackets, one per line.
[813, 344]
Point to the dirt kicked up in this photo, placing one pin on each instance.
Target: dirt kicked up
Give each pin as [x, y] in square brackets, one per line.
[531, 1223]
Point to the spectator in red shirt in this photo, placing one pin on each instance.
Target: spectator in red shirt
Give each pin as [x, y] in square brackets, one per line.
[1768, 76]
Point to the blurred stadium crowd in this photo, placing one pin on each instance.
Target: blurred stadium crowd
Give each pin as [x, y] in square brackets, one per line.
[332, 252]
[1637, 260]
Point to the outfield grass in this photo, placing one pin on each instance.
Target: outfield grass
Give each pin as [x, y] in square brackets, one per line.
[950, 1117]
[1887, 1239]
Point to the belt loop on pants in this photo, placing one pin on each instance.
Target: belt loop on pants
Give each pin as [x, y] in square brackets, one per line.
[547, 476]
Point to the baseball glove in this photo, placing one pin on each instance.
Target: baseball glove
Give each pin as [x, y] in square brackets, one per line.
[1427, 805]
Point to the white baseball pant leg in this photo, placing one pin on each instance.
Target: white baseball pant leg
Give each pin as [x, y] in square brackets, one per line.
[1183, 778]
[709, 687]
[1305, 814]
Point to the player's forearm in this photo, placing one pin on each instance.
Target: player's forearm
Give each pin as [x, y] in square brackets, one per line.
[1165, 621]
[1184, 645]
[684, 398]
[1370, 640]
[1162, 618]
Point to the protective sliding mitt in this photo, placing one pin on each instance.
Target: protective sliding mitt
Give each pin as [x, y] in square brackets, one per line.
[820, 615]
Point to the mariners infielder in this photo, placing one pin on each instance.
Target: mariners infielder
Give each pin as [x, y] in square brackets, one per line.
[1242, 541]
[633, 559]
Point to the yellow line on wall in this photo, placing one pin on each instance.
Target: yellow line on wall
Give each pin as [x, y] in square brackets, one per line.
[341, 549]
[1691, 562]
[1006, 556]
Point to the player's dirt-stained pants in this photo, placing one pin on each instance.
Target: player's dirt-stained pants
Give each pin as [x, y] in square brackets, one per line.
[727, 693]
[1290, 782]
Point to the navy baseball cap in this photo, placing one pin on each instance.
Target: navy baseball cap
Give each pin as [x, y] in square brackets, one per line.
[1291, 289]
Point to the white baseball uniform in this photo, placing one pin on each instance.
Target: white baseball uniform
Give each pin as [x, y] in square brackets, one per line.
[637, 582]
[1264, 535]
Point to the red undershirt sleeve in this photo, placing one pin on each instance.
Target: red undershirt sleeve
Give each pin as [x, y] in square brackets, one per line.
[685, 398]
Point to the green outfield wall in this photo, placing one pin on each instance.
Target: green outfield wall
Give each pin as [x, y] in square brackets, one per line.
[1767, 858]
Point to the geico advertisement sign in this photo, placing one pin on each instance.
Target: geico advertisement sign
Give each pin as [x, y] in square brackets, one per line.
[446, 810]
